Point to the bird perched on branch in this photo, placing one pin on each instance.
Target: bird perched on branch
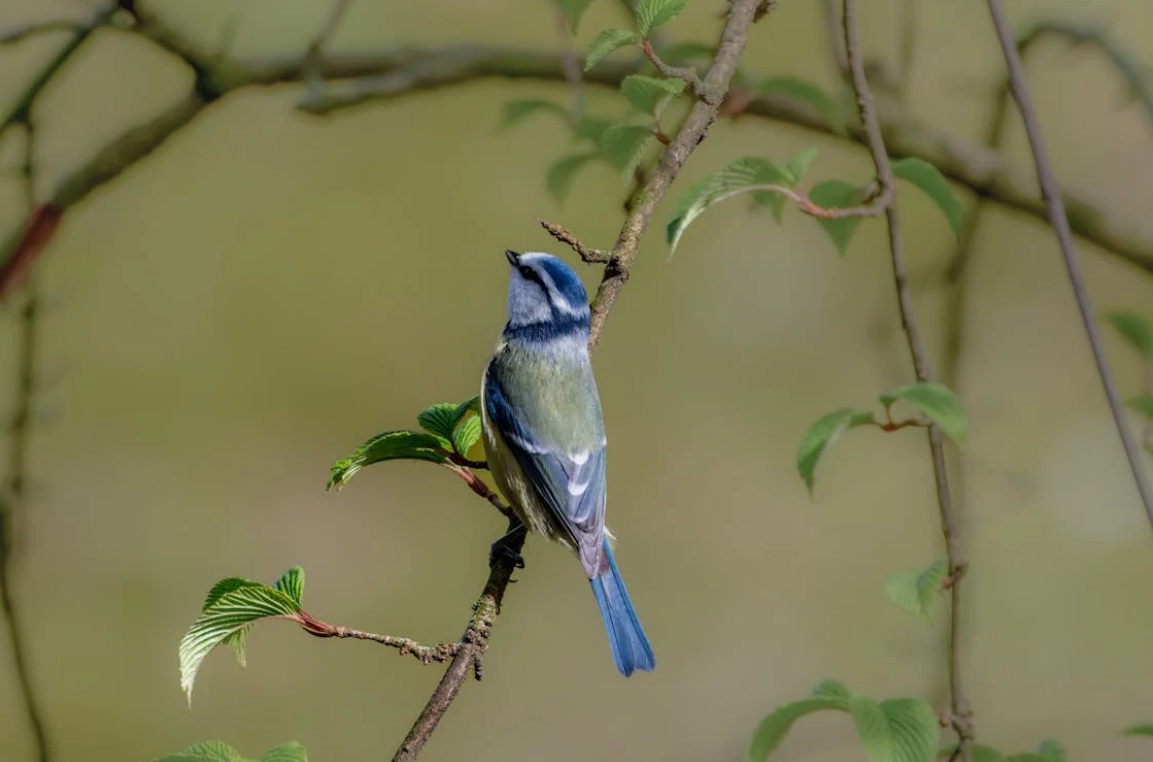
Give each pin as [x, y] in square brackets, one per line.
[544, 435]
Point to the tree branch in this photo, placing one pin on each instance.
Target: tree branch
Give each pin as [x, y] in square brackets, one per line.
[961, 712]
[15, 486]
[475, 640]
[441, 652]
[1060, 222]
[687, 73]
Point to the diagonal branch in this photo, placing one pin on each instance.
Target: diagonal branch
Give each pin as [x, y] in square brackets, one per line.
[1060, 222]
[616, 273]
[961, 712]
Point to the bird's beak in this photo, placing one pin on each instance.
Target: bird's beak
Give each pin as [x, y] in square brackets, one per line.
[513, 257]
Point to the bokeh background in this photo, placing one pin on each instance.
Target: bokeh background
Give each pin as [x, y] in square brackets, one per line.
[271, 288]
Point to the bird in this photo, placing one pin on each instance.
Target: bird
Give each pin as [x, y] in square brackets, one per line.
[544, 436]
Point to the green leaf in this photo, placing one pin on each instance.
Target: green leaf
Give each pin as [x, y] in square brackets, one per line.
[1052, 750]
[472, 403]
[810, 95]
[517, 111]
[653, 13]
[915, 591]
[837, 194]
[563, 171]
[740, 176]
[896, 730]
[799, 164]
[1136, 329]
[1144, 729]
[439, 419]
[606, 42]
[591, 128]
[466, 435]
[650, 94]
[929, 179]
[208, 751]
[391, 445]
[228, 614]
[573, 10]
[227, 585]
[291, 583]
[938, 403]
[822, 434]
[773, 729]
[625, 145]
[286, 752]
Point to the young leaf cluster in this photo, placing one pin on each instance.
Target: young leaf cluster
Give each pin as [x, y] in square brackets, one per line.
[893, 730]
[231, 609]
[449, 430]
[915, 591]
[218, 751]
[772, 185]
[935, 401]
[649, 15]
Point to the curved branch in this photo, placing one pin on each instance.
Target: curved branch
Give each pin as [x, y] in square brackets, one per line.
[1060, 222]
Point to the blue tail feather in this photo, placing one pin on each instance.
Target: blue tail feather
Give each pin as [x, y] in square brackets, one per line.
[631, 649]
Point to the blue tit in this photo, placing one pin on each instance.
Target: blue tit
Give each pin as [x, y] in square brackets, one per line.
[545, 439]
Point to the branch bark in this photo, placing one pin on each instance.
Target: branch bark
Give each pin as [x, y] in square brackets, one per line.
[1060, 222]
[961, 712]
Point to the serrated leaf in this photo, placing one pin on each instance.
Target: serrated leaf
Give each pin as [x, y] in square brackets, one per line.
[286, 752]
[573, 10]
[209, 751]
[228, 614]
[837, 194]
[291, 583]
[654, 13]
[896, 730]
[833, 690]
[606, 42]
[625, 145]
[517, 111]
[773, 729]
[391, 445]
[1144, 729]
[650, 94]
[740, 176]
[439, 419]
[1136, 329]
[563, 171]
[938, 403]
[466, 435]
[808, 94]
[227, 585]
[930, 180]
[915, 591]
[798, 166]
[591, 128]
[472, 403]
[1052, 750]
[821, 435]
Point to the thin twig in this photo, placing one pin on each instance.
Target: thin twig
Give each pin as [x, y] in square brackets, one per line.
[687, 73]
[12, 496]
[586, 253]
[441, 652]
[1060, 222]
[961, 712]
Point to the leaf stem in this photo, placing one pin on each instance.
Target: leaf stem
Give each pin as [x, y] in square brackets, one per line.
[441, 652]
[961, 712]
[687, 73]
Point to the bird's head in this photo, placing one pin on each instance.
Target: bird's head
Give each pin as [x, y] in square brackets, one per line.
[544, 294]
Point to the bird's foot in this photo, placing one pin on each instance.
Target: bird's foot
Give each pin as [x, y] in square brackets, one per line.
[503, 547]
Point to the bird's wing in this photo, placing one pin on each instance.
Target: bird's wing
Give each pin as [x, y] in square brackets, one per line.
[570, 482]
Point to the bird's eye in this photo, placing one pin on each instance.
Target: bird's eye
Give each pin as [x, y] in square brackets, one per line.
[526, 272]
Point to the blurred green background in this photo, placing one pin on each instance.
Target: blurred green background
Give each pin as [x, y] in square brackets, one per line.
[271, 288]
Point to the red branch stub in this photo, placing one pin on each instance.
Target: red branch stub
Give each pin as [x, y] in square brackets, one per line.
[41, 227]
